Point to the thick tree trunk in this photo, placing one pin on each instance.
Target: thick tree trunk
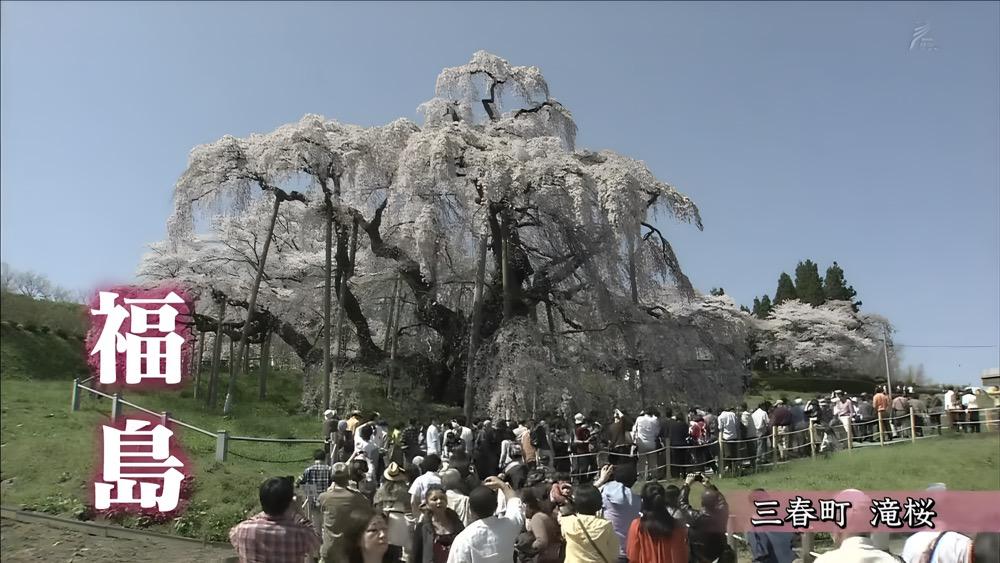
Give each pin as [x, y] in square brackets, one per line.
[474, 332]
[252, 305]
[213, 382]
[327, 279]
[390, 315]
[312, 387]
[508, 283]
[633, 283]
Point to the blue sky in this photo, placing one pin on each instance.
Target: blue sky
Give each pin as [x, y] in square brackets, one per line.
[802, 131]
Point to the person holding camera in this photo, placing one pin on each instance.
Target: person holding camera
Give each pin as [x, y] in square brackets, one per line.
[337, 503]
[707, 534]
[489, 537]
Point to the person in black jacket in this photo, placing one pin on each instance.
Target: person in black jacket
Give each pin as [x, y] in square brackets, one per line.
[707, 533]
[675, 433]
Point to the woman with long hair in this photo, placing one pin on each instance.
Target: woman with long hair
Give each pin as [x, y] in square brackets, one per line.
[540, 542]
[367, 538]
[656, 537]
[435, 533]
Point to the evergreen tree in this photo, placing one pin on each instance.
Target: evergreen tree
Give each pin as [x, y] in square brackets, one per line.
[786, 289]
[765, 307]
[756, 307]
[744, 309]
[835, 287]
[808, 284]
[718, 291]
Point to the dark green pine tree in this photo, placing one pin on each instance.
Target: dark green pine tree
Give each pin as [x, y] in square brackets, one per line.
[718, 291]
[808, 284]
[786, 289]
[765, 307]
[756, 307]
[835, 287]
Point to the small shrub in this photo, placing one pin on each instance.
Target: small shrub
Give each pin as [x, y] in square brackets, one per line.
[31, 327]
[44, 329]
[61, 333]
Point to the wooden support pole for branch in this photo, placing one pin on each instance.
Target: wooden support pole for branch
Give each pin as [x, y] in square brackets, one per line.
[265, 365]
[335, 383]
[251, 306]
[197, 363]
[213, 382]
[477, 321]
[391, 337]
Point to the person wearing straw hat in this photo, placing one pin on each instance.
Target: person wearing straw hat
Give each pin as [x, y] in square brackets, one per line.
[393, 498]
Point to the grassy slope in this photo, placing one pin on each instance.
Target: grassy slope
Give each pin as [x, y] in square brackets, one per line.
[48, 453]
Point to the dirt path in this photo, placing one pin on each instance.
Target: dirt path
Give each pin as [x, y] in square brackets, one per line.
[25, 542]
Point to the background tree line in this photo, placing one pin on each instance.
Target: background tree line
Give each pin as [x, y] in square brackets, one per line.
[809, 288]
[35, 285]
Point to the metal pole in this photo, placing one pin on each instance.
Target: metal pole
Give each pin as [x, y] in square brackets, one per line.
[913, 427]
[881, 430]
[722, 459]
[812, 441]
[221, 445]
[774, 443]
[75, 404]
[888, 375]
[850, 436]
[116, 407]
[807, 547]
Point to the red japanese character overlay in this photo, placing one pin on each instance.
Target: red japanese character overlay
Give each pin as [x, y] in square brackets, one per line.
[140, 337]
[141, 470]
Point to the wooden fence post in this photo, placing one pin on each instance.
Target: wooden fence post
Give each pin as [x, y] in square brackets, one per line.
[75, 405]
[116, 407]
[913, 426]
[881, 430]
[221, 445]
[812, 438]
[850, 436]
[807, 546]
[722, 458]
[774, 443]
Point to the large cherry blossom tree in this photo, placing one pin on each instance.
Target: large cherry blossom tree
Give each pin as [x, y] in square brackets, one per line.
[579, 285]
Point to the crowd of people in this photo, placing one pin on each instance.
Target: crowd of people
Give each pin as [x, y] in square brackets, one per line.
[503, 492]
[540, 491]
